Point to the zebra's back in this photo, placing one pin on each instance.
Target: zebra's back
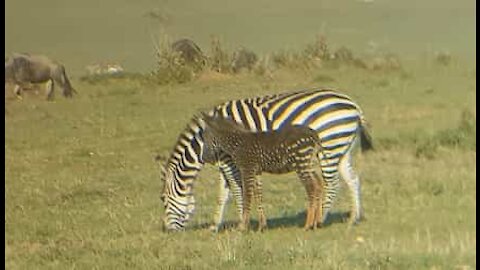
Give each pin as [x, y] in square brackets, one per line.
[334, 116]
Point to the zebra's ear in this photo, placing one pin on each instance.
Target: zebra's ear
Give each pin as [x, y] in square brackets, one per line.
[160, 160]
[163, 171]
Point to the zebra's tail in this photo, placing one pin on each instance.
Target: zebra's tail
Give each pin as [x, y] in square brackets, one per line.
[366, 141]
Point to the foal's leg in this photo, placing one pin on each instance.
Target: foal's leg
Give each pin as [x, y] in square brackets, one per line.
[319, 198]
[230, 183]
[232, 176]
[262, 220]
[248, 186]
[311, 187]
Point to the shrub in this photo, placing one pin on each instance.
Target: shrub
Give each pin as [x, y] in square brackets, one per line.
[292, 60]
[220, 60]
[319, 49]
[171, 67]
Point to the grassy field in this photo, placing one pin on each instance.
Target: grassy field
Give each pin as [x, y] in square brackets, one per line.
[82, 188]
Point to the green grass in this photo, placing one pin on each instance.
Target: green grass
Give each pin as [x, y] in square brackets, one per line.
[82, 188]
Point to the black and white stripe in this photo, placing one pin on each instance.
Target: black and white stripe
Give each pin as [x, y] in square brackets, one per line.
[338, 121]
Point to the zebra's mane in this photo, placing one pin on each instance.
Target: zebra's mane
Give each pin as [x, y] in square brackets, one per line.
[184, 140]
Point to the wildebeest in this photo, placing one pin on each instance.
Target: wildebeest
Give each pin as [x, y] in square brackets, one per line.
[22, 69]
[243, 59]
[189, 51]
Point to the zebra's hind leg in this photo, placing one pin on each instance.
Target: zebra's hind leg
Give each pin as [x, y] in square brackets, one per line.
[332, 185]
[353, 181]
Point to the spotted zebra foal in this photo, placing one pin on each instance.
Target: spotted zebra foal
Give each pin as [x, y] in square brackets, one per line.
[293, 148]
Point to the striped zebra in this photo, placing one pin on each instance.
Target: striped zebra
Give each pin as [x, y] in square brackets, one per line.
[338, 121]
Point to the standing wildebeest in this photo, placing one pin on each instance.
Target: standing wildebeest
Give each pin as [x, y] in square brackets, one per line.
[23, 69]
[189, 51]
[243, 59]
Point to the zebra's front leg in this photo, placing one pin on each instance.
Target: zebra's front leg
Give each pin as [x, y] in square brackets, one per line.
[223, 196]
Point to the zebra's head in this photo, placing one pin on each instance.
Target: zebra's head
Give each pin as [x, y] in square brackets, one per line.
[179, 172]
[178, 200]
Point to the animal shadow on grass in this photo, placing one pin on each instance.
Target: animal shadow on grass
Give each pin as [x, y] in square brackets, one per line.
[280, 222]
[299, 220]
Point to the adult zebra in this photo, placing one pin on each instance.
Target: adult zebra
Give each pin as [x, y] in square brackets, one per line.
[338, 121]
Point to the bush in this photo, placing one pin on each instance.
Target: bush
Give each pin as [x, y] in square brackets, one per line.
[263, 68]
[319, 49]
[220, 60]
[292, 60]
[171, 67]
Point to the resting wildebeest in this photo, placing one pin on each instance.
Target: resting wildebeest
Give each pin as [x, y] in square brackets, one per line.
[243, 59]
[189, 51]
[23, 69]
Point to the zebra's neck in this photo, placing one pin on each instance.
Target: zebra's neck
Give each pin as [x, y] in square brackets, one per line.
[185, 161]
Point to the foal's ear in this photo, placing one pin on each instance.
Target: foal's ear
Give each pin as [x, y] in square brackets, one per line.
[205, 116]
[209, 120]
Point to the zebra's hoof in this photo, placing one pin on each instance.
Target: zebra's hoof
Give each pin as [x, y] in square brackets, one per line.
[354, 222]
